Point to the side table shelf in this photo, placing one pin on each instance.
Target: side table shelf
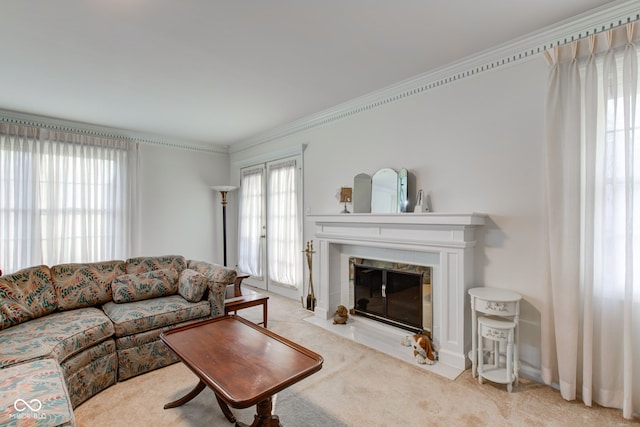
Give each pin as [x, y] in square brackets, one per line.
[238, 298]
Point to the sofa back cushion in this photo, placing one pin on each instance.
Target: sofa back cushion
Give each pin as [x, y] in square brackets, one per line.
[146, 264]
[25, 295]
[85, 285]
[141, 286]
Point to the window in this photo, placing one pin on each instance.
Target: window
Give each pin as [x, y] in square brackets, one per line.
[615, 177]
[64, 197]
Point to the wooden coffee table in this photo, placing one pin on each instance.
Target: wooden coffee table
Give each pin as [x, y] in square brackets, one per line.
[244, 364]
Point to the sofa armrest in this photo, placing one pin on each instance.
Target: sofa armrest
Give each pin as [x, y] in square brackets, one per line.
[219, 278]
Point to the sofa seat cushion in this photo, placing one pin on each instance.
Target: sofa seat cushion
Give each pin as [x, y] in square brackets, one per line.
[141, 286]
[139, 316]
[25, 295]
[33, 394]
[85, 285]
[56, 336]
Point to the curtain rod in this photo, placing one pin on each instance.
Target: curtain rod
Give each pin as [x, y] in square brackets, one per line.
[13, 117]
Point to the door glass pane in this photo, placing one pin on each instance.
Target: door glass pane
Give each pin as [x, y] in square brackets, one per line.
[250, 222]
[283, 236]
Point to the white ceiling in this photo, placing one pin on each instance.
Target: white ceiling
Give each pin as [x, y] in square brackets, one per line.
[222, 71]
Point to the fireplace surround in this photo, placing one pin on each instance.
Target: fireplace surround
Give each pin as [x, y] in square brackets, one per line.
[445, 242]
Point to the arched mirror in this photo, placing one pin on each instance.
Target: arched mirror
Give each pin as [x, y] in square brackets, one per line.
[362, 193]
[384, 191]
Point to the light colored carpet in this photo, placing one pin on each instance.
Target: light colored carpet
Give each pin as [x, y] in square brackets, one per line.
[357, 386]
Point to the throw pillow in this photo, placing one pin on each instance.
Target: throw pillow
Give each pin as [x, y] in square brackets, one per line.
[141, 286]
[192, 285]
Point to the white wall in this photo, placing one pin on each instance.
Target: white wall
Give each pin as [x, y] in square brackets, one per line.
[474, 145]
[180, 213]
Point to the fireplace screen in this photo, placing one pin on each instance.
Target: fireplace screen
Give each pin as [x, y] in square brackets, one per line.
[391, 295]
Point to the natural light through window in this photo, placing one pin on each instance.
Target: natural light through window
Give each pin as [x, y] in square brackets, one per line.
[64, 197]
[615, 161]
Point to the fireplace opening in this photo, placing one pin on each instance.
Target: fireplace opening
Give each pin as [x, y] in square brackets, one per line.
[392, 293]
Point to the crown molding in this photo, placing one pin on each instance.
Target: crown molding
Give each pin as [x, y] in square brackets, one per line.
[14, 117]
[524, 48]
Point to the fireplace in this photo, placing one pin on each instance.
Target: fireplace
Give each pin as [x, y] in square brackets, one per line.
[445, 243]
[395, 293]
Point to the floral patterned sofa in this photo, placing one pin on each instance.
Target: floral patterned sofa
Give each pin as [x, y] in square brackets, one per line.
[101, 321]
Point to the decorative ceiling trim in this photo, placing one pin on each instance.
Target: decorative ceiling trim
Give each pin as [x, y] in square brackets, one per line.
[13, 117]
[521, 49]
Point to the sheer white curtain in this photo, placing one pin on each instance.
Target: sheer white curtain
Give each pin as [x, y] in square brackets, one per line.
[250, 222]
[284, 245]
[591, 329]
[65, 197]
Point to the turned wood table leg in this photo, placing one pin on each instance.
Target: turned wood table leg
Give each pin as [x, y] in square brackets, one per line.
[263, 418]
[187, 397]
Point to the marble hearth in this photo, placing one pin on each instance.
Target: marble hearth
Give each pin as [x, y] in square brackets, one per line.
[445, 242]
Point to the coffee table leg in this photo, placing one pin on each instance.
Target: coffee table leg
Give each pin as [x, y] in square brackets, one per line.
[263, 418]
[225, 410]
[187, 397]
[196, 391]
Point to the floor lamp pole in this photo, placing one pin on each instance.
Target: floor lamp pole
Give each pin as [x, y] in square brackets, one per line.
[224, 225]
[224, 189]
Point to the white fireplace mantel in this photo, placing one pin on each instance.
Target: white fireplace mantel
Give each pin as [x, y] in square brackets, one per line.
[445, 241]
[427, 218]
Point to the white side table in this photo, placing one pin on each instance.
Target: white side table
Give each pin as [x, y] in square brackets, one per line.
[496, 302]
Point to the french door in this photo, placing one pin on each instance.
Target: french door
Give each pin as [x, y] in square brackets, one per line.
[269, 228]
